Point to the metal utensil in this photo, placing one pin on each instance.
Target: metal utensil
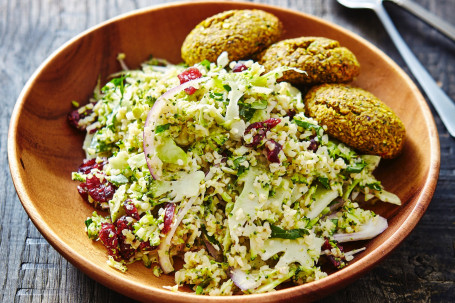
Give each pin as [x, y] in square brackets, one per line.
[433, 20]
[441, 102]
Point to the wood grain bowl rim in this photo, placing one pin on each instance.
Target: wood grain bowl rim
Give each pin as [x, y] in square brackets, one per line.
[313, 290]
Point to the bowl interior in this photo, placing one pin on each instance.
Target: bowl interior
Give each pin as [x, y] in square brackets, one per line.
[44, 149]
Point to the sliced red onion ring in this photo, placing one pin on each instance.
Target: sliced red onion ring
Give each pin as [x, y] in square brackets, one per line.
[150, 125]
[163, 249]
[242, 280]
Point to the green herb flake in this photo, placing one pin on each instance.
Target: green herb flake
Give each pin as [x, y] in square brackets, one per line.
[246, 111]
[356, 168]
[88, 222]
[299, 179]
[278, 232]
[375, 186]
[240, 168]
[162, 128]
[309, 126]
[206, 63]
[325, 182]
[119, 82]
[150, 100]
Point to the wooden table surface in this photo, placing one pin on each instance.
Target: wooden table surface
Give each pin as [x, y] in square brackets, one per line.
[422, 269]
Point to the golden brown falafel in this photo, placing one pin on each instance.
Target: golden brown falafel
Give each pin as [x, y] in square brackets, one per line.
[357, 118]
[323, 60]
[241, 33]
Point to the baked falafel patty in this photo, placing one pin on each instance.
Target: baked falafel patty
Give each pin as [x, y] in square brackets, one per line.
[358, 118]
[242, 33]
[322, 59]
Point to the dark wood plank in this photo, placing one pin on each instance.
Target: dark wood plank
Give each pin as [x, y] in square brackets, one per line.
[422, 269]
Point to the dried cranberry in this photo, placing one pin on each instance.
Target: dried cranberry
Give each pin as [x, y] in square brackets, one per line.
[73, 119]
[255, 125]
[121, 224]
[189, 74]
[273, 149]
[257, 138]
[340, 247]
[239, 67]
[168, 217]
[89, 164]
[145, 246]
[100, 191]
[338, 262]
[131, 210]
[83, 191]
[94, 130]
[326, 245]
[108, 237]
[291, 113]
[190, 90]
[112, 236]
[126, 250]
[313, 145]
[266, 125]
[272, 122]
[261, 130]
[329, 245]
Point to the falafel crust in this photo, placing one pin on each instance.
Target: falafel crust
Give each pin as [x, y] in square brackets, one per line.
[242, 33]
[358, 118]
[323, 60]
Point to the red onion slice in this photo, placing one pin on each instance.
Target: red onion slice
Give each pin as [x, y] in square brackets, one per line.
[163, 249]
[150, 125]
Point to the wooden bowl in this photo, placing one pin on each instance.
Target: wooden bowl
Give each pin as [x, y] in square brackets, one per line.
[43, 149]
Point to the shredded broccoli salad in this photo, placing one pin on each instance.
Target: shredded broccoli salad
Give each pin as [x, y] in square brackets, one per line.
[233, 178]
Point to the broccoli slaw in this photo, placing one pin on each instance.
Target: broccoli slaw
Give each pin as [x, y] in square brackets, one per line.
[217, 164]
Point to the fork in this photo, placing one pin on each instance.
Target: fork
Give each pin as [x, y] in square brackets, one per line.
[444, 106]
[445, 28]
